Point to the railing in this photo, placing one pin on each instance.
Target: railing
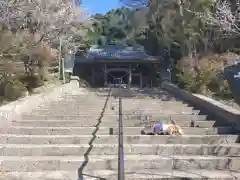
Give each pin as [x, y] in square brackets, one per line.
[120, 135]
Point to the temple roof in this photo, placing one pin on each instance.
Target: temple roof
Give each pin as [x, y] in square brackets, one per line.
[116, 53]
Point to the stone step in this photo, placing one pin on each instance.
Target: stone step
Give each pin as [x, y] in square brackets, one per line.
[165, 150]
[183, 123]
[147, 174]
[86, 103]
[186, 130]
[109, 162]
[80, 100]
[74, 105]
[162, 112]
[157, 110]
[158, 117]
[153, 101]
[102, 100]
[113, 139]
[72, 112]
[151, 105]
[80, 104]
[200, 124]
[57, 114]
[79, 111]
[64, 117]
[142, 105]
[57, 123]
[71, 104]
[105, 130]
[105, 122]
[81, 116]
[126, 116]
[173, 116]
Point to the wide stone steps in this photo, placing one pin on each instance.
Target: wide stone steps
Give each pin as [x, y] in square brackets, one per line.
[55, 140]
[113, 139]
[107, 123]
[79, 101]
[108, 162]
[61, 114]
[166, 150]
[140, 114]
[186, 123]
[104, 130]
[148, 117]
[95, 107]
[79, 111]
[112, 175]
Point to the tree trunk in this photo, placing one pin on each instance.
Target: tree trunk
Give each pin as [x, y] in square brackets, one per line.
[233, 5]
[182, 24]
[205, 43]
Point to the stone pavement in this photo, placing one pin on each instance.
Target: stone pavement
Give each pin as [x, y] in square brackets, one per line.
[78, 133]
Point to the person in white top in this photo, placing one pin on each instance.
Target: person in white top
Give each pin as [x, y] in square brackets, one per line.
[165, 129]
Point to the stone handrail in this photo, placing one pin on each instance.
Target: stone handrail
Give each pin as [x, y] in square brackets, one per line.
[221, 113]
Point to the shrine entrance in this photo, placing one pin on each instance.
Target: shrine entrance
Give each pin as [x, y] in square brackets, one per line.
[131, 64]
[113, 74]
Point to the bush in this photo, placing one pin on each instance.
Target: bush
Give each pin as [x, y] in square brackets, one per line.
[204, 74]
[14, 89]
[31, 82]
[194, 83]
[224, 92]
[67, 77]
[43, 75]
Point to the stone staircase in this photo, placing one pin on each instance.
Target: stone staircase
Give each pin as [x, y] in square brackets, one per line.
[79, 133]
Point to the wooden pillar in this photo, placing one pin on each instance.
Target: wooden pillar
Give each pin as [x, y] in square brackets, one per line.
[152, 71]
[93, 76]
[130, 75]
[141, 80]
[105, 75]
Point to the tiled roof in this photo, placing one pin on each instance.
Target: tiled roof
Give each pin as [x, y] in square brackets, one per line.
[116, 52]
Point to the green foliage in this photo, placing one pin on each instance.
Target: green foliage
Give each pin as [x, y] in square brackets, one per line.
[167, 25]
[207, 80]
[31, 82]
[225, 94]
[43, 75]
[12, 88]
[195, 83]
[111, 28]
[222, 92]
[67, 77]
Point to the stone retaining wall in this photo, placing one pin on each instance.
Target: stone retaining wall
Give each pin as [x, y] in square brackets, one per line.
[14, 109]
[221, 113]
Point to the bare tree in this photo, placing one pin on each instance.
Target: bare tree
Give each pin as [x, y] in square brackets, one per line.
[224, 16]
[30, 25]
[45, 19]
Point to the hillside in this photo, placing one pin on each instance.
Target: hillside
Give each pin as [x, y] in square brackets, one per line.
[111, 28]
[161, 32]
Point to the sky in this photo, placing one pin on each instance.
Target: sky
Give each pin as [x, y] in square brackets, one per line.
[100, 6]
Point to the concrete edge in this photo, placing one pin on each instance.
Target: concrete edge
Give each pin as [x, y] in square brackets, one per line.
[215, 109]
[13, 110]
[75, 80]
